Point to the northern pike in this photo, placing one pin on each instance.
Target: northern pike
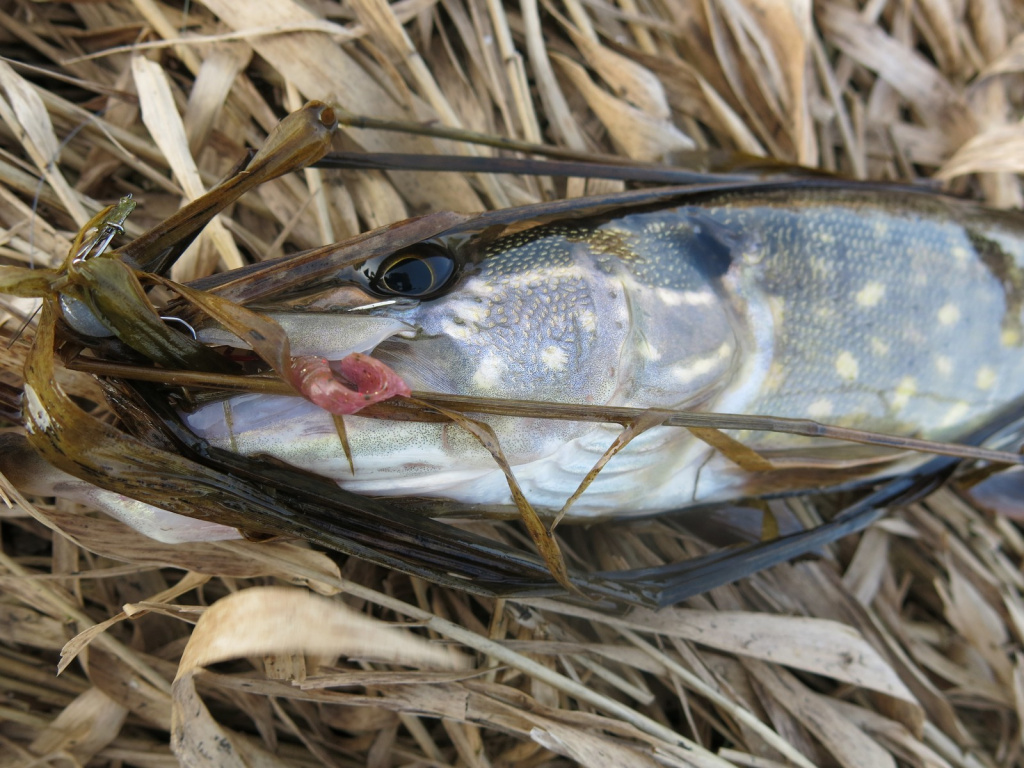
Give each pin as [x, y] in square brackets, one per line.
[886, 310]
[866, 306]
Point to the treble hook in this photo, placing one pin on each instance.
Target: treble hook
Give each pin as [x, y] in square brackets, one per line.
[112, 226]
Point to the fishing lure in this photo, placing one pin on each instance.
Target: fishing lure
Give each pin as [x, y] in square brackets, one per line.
[649, 309]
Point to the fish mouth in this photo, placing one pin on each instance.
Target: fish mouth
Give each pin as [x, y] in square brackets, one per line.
[330, 335]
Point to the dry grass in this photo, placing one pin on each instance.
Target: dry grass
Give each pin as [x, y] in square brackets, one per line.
[899, 648]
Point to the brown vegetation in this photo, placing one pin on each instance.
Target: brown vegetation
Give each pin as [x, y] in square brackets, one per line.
[900, 647]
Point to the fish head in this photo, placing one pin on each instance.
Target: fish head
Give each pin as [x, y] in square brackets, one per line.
[617, 312]
[632, 311]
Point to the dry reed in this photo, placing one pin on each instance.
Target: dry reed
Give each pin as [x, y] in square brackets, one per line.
[900, 647]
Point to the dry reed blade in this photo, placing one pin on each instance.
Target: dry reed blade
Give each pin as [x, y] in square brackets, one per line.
[906, 640]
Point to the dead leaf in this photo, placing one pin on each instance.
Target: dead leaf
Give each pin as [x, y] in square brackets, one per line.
[161, 117]
[820, 646]
[849, 746]
[641, 136]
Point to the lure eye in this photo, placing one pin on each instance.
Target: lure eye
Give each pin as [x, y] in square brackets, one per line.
[420, 273]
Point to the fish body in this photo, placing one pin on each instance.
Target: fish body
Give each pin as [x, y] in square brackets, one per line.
[890, 311]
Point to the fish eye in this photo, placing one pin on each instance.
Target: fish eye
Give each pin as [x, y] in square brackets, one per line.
[421, 272]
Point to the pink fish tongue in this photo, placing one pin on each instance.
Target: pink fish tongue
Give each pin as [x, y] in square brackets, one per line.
[317, 380]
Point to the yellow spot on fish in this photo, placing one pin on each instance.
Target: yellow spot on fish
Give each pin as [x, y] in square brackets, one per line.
[943, 365]
[674, 298]
[555, 358]
[490, 372]
[699, 298]
[870, 294]
[460, 332]
[878, 346]
[1010, 337]
[752, 253]
[955, 414]
[645, 348]
[777, 306]
[826, 237]
[481, 288]
[905, 390]
[687, 372]
[668, 297]
[587, 321]
[705, 365]
[820, 409]
[846, 366]
[473, 313]
[776, 377]
[986, 378]
[949, 314]
[881, 228]
[960, 254]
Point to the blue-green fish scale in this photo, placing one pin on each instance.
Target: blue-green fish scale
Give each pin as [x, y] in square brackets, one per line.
[884, 320]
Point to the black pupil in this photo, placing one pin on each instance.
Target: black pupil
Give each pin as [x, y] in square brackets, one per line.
[410, 276]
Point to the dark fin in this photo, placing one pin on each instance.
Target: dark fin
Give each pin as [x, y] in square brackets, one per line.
[679, 581]
[1002, 493]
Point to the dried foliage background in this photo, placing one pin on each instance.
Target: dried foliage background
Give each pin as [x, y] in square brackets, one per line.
[901, 647]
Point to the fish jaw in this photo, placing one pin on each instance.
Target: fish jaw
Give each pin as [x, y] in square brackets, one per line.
[331, 335]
